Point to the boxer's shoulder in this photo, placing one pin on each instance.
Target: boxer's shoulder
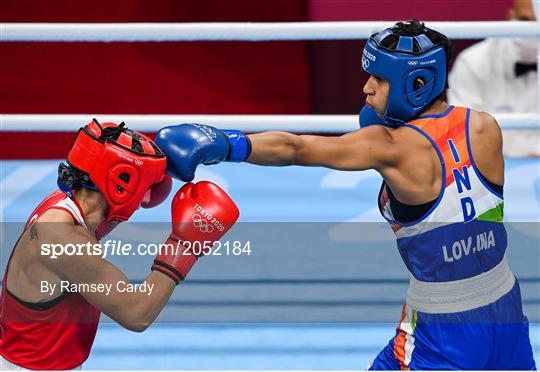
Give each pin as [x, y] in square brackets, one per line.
[411, 140]
[483, 123]
[57, 226]
[53, 224]
[485, 133]
[56, 215]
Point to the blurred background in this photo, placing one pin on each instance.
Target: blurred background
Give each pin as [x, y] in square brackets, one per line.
[315, 77]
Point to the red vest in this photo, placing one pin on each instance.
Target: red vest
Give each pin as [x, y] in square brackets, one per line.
[59, 337]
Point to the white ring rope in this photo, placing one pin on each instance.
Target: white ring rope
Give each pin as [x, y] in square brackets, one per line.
[331, 124]
[242, 31]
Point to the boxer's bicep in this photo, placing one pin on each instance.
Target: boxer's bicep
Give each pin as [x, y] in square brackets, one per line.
[369, 148]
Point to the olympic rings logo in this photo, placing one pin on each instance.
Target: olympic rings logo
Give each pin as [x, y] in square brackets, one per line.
[202, 224]
[365, 63]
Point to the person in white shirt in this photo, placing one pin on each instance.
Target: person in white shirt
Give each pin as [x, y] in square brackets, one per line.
[500, 75]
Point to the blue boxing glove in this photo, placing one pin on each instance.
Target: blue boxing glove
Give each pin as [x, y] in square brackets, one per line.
[188, 145]
[369, 116]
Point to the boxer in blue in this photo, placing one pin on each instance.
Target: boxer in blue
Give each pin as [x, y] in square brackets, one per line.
[442, 193]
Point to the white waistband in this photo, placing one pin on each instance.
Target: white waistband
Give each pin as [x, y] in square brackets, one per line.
[461, 295]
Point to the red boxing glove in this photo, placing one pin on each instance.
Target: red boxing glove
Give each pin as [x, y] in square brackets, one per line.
[201, 214]
[157, 193]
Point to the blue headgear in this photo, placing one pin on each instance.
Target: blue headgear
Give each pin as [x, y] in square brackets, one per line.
[401, 67]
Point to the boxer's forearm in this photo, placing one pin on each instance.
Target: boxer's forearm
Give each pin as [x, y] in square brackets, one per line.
[273, 148]
[137, 311]
[134, 309]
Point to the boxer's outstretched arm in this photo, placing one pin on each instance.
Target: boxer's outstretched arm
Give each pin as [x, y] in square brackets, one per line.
[369, 148]
[188, 145]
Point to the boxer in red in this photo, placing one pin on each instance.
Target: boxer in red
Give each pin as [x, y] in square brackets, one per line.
[111, 171]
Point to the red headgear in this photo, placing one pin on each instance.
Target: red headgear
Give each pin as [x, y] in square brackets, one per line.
[121, 163]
